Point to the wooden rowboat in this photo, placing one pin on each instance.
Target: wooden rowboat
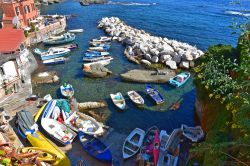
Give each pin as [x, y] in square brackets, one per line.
[85, 123]
[118, 100]
[132, 143]
[94, 147]
[135, 97]
[154, 94]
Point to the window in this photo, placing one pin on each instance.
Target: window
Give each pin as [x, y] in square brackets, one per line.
[33, 6]
[26, 9]
[17, 11]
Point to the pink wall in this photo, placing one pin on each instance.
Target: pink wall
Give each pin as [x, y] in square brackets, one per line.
[23, 17]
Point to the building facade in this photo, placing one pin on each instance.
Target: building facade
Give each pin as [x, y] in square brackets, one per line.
[18, 13]
[13, 59]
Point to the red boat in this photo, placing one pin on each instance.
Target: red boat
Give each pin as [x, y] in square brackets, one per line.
[151, 146]
[156, 147]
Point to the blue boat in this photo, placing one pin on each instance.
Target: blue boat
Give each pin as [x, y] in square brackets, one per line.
[94, 147]
[154, 94]
[179, 79]
[65, 38]
[54, 61]
[94, 54]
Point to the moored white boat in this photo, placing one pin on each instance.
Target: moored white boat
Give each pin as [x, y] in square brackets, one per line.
[54, 61]
[98, 43]
[90, 54]
[135, 97]
[54, 53]
[99, 48]
[75, 30]
[102, 39]
[133, 143]
[69, 46]
[118, 100]
[58, 131]
[102, 62]
[84, 123]
[87, 59]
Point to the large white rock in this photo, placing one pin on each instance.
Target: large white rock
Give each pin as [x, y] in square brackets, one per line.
[145, 62]
[171, 64]
[187, 56]
[156, 40]
[196, 55]
[167, 47]
[148, 57]
[184, 64]
[165, 58]
[191, 64]
[155, 59]
[154, 52]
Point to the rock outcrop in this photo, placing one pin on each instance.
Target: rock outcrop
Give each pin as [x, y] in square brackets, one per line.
[45, 77]
[92, 105]
[142, 45]
[96, 71]
[148, 76]
[89, 2]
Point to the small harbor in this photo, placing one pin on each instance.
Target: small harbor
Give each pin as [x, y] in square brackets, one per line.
[107, 88]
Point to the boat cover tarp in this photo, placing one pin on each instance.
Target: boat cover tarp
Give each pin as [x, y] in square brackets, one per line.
[25, 121]
[63, 105]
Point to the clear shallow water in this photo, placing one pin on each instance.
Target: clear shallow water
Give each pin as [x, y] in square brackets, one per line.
[197, 22]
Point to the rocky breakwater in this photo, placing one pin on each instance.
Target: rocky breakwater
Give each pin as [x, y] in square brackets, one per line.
[141, 46]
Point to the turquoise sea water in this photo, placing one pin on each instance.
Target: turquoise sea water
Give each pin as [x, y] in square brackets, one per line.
[198, 22]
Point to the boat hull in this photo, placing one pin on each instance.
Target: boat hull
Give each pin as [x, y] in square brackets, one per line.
[54, 61]
[127, 151]
[135, 98]
[154, 94]
[68, 137]
[40, 141]
[47, 57]
[95, 148]
[177, 84]
[119, 103]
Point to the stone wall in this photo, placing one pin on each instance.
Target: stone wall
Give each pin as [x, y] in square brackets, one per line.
[42, 34]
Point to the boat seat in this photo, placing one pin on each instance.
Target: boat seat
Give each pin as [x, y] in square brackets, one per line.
[129, 149]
